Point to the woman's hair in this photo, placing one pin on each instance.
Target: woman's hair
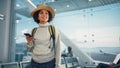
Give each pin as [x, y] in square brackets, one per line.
[35, 17]
[69, 48]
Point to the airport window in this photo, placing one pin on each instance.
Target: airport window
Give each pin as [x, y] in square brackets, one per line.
[93, 30]
[89, 31]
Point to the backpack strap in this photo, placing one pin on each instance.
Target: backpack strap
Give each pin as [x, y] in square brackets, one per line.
[52, 32]
[52, 35]
[33, 31]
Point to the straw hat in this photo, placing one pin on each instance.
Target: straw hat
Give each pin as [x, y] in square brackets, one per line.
[43, 6]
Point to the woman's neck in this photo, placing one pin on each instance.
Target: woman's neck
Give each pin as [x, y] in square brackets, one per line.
[43, 22]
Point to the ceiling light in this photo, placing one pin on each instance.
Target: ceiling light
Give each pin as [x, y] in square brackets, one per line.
[68, 5]
[17, 5]
[53, 1]
[54, 9]
[89, 0]
[17, 21]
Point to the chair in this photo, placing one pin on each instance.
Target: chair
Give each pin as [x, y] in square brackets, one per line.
[90, 67]
[25, 64]
[0, 65]
[68, 61]
[63, 63]
[75, 62]
[72, 62]
[10, 65]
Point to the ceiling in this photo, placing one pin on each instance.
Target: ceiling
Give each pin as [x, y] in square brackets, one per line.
[65, 5]
[70, 5]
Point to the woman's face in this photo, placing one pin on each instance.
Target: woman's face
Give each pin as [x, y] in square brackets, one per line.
[43, 16]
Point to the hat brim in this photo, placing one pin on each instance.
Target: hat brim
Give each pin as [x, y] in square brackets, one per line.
[45, 7]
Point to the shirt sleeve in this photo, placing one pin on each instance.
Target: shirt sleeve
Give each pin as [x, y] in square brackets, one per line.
[57, 51]
[116, 59]
[58, 55]
[30, 46]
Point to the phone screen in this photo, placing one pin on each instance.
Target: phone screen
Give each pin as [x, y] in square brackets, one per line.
[27, 34]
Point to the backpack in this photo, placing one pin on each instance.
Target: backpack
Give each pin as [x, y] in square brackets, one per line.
[51, 31]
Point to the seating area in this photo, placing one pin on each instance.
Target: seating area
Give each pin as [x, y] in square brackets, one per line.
[24, 64]
[70, 62]
[66, 62]
[10, 65]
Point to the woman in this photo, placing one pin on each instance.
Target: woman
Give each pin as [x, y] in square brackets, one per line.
[70, 53]
[44, 54]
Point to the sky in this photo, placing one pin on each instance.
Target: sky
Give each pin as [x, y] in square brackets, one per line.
[97, 26]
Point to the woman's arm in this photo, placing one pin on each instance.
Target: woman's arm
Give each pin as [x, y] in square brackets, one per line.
[58, 54]
[57, 49]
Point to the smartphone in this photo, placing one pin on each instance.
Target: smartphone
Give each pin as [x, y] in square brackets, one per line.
[27, 34]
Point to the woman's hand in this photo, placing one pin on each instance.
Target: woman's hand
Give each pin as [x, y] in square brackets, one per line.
[111, 64]
[29, 39]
